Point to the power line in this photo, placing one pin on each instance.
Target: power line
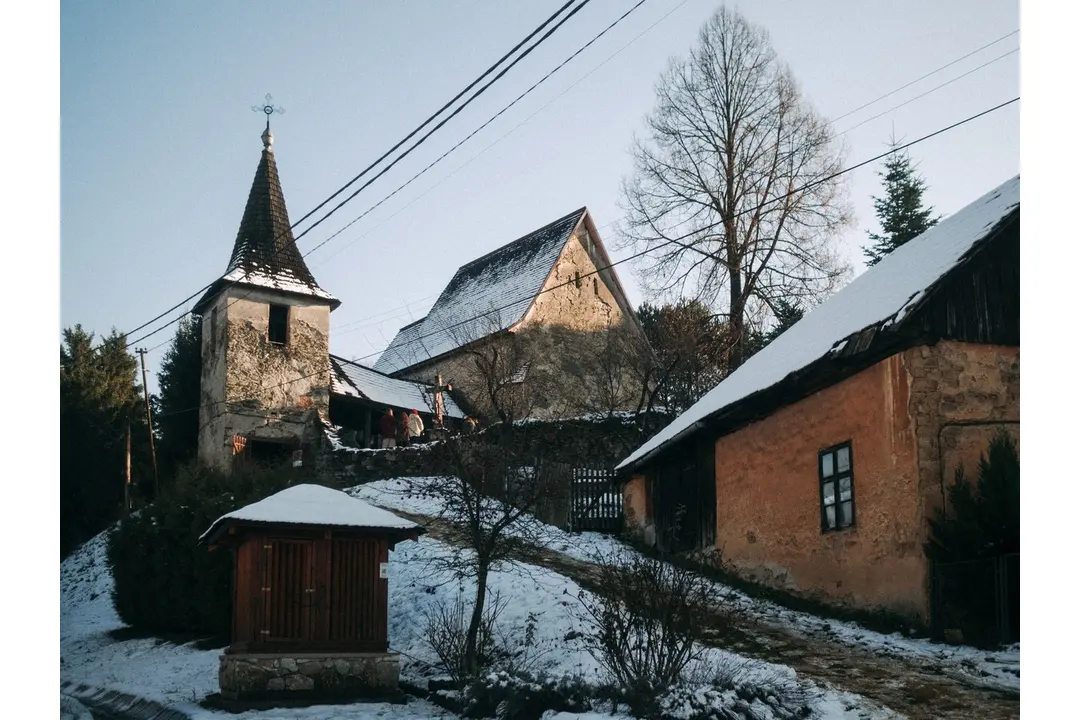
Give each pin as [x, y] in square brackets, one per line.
[399, 144]
[923, 77]
[490, 120]
[646, 251]
[426, 136]
[493, 144]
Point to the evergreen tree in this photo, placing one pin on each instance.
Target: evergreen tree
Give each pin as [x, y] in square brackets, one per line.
[176, 404]
[900, 213]
[787, 314]
[98, 398]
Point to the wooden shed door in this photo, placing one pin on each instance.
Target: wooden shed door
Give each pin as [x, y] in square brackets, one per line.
[358, 595]
[288, 590]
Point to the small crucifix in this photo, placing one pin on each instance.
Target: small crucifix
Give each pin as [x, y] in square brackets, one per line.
[437, 391]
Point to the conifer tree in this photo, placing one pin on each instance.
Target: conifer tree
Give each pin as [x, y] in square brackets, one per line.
[98, 398]
[176, 413]
[900, 212]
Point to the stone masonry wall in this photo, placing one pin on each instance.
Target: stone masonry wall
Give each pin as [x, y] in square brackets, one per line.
[256, 388]
[273, 676]
[962, 394]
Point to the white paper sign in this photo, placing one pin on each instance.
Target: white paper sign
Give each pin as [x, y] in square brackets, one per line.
[384, 570]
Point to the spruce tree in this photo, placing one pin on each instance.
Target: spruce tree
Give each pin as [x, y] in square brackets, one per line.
[900, 212]
[98, 398]
[176, 405]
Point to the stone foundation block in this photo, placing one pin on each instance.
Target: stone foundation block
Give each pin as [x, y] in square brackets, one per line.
[301, 676]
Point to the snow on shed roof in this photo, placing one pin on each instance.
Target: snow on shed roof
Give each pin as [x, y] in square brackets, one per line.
[510, 276]
[313, 505]
[884, 293]
[355, 380]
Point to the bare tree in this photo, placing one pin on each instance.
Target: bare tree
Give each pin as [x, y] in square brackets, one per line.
[721, 182]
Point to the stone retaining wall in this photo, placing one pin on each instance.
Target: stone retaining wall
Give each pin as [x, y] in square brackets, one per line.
[303, 676]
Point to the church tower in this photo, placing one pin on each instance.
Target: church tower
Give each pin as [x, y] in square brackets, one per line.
[265, 338]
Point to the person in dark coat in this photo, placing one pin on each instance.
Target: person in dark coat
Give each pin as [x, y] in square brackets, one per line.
[403, 428]
[387, 429]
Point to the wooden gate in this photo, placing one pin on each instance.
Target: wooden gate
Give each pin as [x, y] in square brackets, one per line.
[595, 500]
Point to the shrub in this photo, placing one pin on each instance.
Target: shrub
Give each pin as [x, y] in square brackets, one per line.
[510, 695]
[972, 540]
[446, 625]
[166, 583]
[644, 624]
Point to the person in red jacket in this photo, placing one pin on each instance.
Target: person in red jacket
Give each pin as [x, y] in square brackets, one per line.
[388, 429]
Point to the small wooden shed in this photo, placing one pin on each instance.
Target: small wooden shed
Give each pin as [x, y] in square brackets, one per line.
[309, 595]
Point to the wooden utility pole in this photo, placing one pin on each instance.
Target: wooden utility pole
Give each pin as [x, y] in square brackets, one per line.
[127, 472]
[149, 418]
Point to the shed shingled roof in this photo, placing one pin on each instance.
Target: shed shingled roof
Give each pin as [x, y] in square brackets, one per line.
[265, 253]
[511, 276]
[883, 295]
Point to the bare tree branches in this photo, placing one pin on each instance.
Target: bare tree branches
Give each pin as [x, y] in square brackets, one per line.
[730, 143]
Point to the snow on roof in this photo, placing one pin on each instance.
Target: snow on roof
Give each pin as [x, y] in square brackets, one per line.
[314, 505]
[355, 380]
[281, 279]
[884, 293]
[510, 276]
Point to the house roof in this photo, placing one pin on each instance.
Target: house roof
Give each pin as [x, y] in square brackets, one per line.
[312, 505]
[351, 379]
[883, 295]
[502, 283]
[265, 253]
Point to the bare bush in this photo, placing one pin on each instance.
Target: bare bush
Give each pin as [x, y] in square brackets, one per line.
[446, 629]
[644, 625]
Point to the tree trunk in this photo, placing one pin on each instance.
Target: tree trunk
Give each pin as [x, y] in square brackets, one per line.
[471, 655]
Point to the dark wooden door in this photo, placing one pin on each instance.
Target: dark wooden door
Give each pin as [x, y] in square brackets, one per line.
[357, 593]
[288, 590]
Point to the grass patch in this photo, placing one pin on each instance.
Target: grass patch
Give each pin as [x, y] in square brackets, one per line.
[201, 641]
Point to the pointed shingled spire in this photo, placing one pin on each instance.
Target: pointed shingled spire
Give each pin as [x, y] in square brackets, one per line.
[265, 252]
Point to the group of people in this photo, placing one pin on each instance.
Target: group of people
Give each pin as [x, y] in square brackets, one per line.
[402, 429]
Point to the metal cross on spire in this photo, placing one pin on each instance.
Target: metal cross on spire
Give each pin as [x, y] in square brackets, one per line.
[268, 109]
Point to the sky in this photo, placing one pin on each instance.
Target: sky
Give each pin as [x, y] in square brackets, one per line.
[159, 144]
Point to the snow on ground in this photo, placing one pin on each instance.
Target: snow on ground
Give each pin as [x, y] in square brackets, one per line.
[997, 669]
[180, 675]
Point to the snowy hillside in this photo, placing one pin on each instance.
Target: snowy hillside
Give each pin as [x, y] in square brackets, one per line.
[181, 675]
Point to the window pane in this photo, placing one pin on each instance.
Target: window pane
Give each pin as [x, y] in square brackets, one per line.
[828, 491]
[826, 465]
[845, 514]
[845, 488]
[830, 516]
[843, 459]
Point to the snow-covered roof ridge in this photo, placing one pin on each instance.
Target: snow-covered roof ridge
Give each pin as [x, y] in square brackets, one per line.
[885, 293]
[352, 379]
[265, 254]
[316, 506]
[503, 284]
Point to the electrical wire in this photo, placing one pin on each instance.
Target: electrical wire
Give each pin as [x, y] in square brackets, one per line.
[646, 251]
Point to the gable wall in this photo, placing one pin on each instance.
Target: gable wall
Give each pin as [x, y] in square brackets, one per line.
[572, 307]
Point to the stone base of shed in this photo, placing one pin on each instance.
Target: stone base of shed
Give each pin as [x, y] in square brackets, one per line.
[301, 678]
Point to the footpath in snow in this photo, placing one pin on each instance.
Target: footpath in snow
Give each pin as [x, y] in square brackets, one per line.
[996, 670]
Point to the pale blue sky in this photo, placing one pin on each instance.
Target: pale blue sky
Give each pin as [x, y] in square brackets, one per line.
[158, 145]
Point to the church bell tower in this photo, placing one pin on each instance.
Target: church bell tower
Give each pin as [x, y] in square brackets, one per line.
[265, 338]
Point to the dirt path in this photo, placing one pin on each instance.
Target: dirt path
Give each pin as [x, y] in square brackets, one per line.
[921, 689]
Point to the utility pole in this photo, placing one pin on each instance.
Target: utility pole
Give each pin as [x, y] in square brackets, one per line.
[127, 472]
[149, 419]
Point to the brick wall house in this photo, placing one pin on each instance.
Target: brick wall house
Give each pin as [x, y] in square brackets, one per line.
[815, 466]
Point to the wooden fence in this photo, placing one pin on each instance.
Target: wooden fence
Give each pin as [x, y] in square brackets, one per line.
[595, 500]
